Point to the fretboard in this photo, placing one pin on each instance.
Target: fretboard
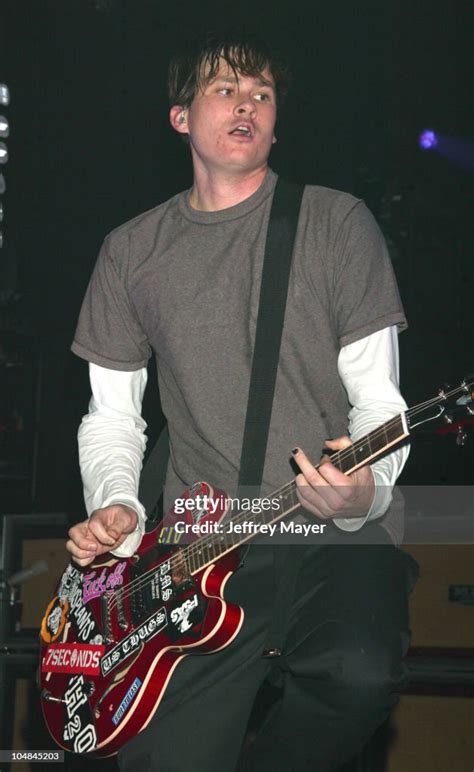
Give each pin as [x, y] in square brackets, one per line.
[207, 549]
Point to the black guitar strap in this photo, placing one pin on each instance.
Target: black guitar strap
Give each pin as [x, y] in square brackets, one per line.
[271, 312]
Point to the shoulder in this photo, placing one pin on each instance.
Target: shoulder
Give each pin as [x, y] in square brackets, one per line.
[329, 202]
[141, 228]
[337, 214]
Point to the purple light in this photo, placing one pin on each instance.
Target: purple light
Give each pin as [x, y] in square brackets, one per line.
[428, 139]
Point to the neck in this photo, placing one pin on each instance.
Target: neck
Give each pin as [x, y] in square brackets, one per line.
[214, 191]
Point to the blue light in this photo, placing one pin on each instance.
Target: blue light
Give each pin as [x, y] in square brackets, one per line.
[428, 139]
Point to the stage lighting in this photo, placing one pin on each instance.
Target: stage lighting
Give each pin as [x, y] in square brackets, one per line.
[4, 94]
[4, 132]
[428, 139]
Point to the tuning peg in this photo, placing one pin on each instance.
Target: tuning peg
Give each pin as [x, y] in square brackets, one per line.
[442, 391]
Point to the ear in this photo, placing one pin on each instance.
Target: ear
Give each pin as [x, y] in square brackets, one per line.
[178, 119]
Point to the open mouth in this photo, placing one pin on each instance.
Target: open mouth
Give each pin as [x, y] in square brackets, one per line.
[241, 131]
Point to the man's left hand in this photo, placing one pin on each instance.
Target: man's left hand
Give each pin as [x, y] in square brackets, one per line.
[327, 492]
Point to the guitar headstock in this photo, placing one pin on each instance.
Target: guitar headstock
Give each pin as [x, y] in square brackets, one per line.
[454, 406]
[460, 415]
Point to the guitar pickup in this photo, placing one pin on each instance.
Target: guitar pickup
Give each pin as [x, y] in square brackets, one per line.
[106, 618]
[123, 624]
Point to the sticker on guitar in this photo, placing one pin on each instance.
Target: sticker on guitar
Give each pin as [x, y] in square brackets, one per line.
[161, 583]
[125, 704]
[68, 604]
[180, 615]
[72, 658]
[94, 586]
[133, 641]
[79, 730]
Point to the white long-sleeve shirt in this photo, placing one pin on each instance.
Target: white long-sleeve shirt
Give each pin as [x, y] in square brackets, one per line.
[112, 440]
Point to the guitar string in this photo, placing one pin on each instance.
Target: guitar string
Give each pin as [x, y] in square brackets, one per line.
[200, 546]
[196, 548]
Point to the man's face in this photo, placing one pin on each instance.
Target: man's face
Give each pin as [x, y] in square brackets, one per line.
[230, 124]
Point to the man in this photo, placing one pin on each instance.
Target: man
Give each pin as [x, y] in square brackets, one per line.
[183, 280]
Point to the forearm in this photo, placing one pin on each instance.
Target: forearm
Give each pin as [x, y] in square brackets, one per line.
[111, 445]
[369, 370]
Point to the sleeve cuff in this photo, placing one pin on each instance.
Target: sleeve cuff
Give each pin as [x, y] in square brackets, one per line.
[132, 542]
[380, 504]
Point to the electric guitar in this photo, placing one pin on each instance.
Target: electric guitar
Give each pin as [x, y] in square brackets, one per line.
[114, 632]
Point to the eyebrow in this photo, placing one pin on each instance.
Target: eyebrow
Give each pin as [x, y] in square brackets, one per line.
[233, 79]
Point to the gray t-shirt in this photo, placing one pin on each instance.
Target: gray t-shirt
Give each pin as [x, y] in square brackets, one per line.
[185, 285]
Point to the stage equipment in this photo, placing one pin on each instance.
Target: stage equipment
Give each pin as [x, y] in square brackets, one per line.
[4, 94]
[4, 132]
[33, 556]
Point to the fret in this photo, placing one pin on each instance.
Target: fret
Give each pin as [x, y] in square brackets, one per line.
[230, 539]
[211, 549]
[379, 439]
[370, 446]
[293, 498]
[349, 460]
[199, 556]
[189, 557]
[396, 429]
[235, 538]
[336, 460]
[225, 542]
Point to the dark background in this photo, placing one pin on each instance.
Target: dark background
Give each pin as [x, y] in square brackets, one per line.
[91, 147]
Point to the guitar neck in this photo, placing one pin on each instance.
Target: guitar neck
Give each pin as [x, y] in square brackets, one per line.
[372, 446]
[207, 549]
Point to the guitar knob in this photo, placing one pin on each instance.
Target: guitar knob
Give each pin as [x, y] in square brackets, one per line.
[46, 695]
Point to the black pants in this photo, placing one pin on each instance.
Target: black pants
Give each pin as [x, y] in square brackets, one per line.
[338, 613]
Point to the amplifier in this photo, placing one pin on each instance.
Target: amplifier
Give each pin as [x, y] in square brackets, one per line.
[431, 733]
[33, 547]
[442, 603]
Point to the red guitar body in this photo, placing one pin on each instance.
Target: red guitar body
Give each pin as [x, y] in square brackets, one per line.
[114, 632]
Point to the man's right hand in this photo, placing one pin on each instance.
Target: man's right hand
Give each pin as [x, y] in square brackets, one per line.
[105, 530]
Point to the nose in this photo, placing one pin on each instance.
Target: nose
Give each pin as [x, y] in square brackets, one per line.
[245, 106]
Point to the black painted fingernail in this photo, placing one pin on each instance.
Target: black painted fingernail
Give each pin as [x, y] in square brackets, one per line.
[295, 451]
